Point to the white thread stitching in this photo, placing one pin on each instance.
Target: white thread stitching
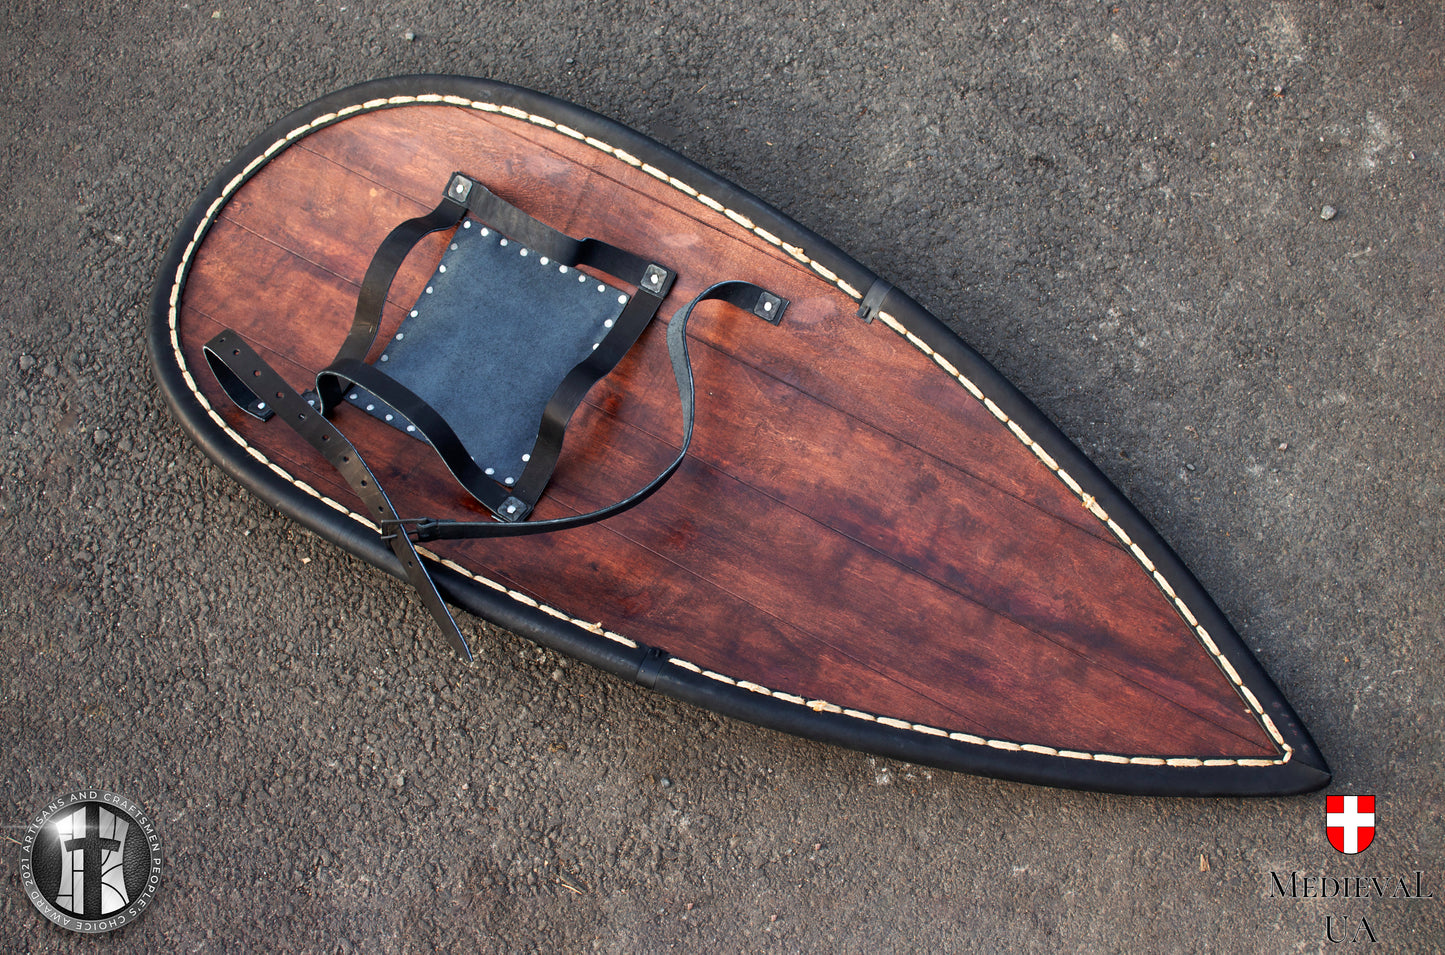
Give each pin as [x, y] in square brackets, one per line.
[800, 255]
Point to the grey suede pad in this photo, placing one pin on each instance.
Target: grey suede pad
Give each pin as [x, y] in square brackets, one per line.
[488, 341]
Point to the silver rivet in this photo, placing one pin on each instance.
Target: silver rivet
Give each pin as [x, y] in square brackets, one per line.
[371, 407]
[526, 458]
[545, 260]
[511, 480]
[411, 427]
[454, 246]
[622, 300]
[486, 231]
[386, 358]
[562, 269]
[461, 187]
[388, 417]
[581, 277]
[400, 335]
[415, 313]
[523, 253]
[608, 324]
[504, 242]
[596, 345]
[767, 306]
[466, 225]
[351, 397]
[512, 509]
[428, 289]
[441, 268]
[601, 288]
[491, 471]
[261, 405]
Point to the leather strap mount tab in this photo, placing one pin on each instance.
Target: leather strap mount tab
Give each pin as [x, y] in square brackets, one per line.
[872, 303]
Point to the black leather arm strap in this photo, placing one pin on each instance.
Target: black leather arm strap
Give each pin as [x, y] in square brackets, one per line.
[256, 387]
[636, 315]
[516, 503]
[377, 283]
[744, 295]
[464, 194]
[545, 240]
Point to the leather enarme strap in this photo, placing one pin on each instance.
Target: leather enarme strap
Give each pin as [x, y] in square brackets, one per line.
[462, 195]
[516, 503]
[377, 283]
[744, 295]
[260, 391]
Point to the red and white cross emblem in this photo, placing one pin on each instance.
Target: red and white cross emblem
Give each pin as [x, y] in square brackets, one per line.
[1350, 822]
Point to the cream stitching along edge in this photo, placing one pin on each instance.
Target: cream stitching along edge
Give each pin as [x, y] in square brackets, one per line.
[801, 256]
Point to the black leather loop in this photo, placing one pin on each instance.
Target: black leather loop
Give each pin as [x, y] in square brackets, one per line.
[872, 304]
[443, 439]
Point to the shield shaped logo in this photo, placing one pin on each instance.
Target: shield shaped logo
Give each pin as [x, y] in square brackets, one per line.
[1350, 822]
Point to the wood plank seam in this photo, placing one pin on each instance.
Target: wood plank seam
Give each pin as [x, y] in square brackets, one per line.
[1287, 751]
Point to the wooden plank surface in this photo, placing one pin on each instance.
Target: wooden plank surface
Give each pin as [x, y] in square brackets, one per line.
[852, 525]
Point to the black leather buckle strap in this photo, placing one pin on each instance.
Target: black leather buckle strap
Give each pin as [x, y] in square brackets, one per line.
[255, 386]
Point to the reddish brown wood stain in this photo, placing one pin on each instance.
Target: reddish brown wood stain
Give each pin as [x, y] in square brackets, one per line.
[851, 524]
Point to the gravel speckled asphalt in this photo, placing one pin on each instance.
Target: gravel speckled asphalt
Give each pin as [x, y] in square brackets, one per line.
[1120, 205]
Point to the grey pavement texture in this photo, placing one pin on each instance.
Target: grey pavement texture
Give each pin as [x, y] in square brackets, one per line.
[1118, 204]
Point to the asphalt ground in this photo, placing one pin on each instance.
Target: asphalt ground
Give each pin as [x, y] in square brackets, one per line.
[1121, 205]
